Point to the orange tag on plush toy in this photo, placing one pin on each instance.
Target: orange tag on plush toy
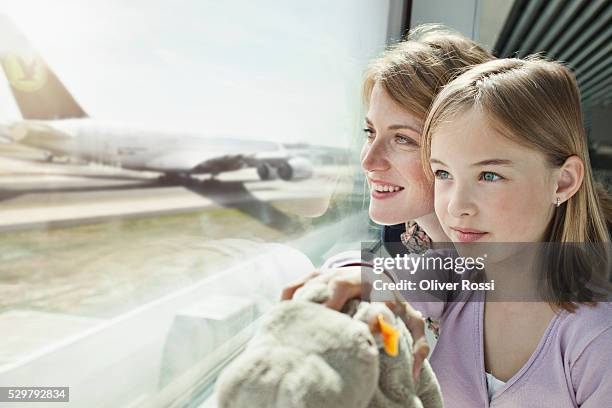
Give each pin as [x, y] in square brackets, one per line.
[390, 336]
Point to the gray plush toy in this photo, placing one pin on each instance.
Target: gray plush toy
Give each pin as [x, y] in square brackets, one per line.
[305, 355]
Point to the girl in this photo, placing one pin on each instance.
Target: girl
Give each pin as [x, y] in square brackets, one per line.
[506, 145]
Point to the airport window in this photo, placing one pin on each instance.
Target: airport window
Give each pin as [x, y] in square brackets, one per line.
[164, 169]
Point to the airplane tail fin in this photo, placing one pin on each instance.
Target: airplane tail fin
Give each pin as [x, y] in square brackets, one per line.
[37, 90]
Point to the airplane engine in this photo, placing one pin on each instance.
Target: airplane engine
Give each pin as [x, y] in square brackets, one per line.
[296, 168]
[266, 172]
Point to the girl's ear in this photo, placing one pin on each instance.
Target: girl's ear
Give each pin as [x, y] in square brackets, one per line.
[569, 179]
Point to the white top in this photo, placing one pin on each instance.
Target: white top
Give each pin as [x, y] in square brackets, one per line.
[493, 384]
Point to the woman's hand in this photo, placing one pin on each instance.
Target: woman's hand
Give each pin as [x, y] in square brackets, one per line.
[345, 283]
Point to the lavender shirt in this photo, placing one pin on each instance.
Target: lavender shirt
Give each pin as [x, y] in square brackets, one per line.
[571, 366]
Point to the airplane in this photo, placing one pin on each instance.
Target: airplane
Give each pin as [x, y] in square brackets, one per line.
[55, 123]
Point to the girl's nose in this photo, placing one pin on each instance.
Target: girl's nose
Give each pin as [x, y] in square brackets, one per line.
[460, 203]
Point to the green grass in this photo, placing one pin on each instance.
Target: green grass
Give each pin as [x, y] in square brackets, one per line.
[109, 268]
[104, 269]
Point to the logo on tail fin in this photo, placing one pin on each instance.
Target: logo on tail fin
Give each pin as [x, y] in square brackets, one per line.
[25, 74]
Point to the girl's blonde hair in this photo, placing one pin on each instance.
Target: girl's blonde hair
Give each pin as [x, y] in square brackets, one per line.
[535, 103]
[413, 71]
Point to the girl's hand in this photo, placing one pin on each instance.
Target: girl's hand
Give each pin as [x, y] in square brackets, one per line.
[416, 325]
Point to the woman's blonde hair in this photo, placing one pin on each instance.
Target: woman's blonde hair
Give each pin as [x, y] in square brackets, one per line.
[535, 103]
[413, 71]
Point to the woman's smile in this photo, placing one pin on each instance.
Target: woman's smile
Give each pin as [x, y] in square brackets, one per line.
[381, 189]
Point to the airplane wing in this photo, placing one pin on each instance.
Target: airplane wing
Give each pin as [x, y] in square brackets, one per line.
[195, 162]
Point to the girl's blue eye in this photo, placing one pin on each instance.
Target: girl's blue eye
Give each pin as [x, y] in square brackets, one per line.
[442, 175]
[490, 176]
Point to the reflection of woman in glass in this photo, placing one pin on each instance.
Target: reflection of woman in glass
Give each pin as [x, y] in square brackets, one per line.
[506, 144]
[398, 89]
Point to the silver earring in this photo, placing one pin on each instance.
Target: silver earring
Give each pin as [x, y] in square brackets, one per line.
[558, 202]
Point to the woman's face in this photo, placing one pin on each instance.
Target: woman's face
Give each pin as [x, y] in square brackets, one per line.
[487, 187]
[391, 161]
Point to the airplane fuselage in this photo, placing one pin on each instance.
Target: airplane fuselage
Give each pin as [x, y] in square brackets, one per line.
[138, 149]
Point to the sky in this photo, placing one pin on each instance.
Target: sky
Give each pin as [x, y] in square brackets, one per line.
[283, 70]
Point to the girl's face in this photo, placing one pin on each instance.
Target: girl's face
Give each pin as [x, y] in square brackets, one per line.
[391, 161]
[487, 187]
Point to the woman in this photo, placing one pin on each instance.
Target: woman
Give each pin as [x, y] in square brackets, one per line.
[398, 89]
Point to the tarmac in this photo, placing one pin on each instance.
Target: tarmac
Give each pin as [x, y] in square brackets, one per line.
[36, 194]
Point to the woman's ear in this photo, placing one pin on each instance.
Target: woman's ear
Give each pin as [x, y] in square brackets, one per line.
[569, 179]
